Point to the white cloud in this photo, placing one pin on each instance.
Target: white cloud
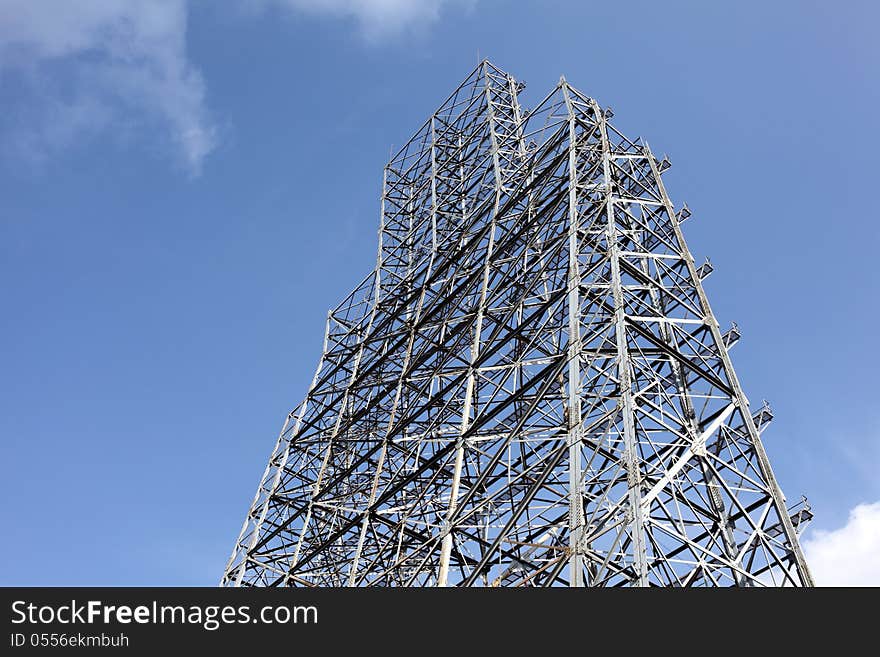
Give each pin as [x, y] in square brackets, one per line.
[85, 67]
[849, 556]
[120, 67]
[375, 18]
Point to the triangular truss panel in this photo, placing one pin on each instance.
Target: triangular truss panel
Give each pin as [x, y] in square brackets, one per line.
[530, 389]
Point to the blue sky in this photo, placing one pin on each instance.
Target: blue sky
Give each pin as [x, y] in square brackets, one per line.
[186, 188]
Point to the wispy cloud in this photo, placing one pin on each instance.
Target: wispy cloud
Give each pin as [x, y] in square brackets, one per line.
[86, 67]
[850, 555]
[376, 19]
[72, 70]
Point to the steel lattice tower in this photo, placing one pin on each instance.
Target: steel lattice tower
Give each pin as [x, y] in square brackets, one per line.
[530, 388]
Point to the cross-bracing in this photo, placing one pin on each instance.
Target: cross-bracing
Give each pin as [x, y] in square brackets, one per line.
[530, 388]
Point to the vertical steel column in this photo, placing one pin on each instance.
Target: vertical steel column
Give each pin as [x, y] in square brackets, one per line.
[632, 458]
[446, 543]
[575, 467]
[740, 398]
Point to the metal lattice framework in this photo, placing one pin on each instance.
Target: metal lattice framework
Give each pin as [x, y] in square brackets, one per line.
[530, 389]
